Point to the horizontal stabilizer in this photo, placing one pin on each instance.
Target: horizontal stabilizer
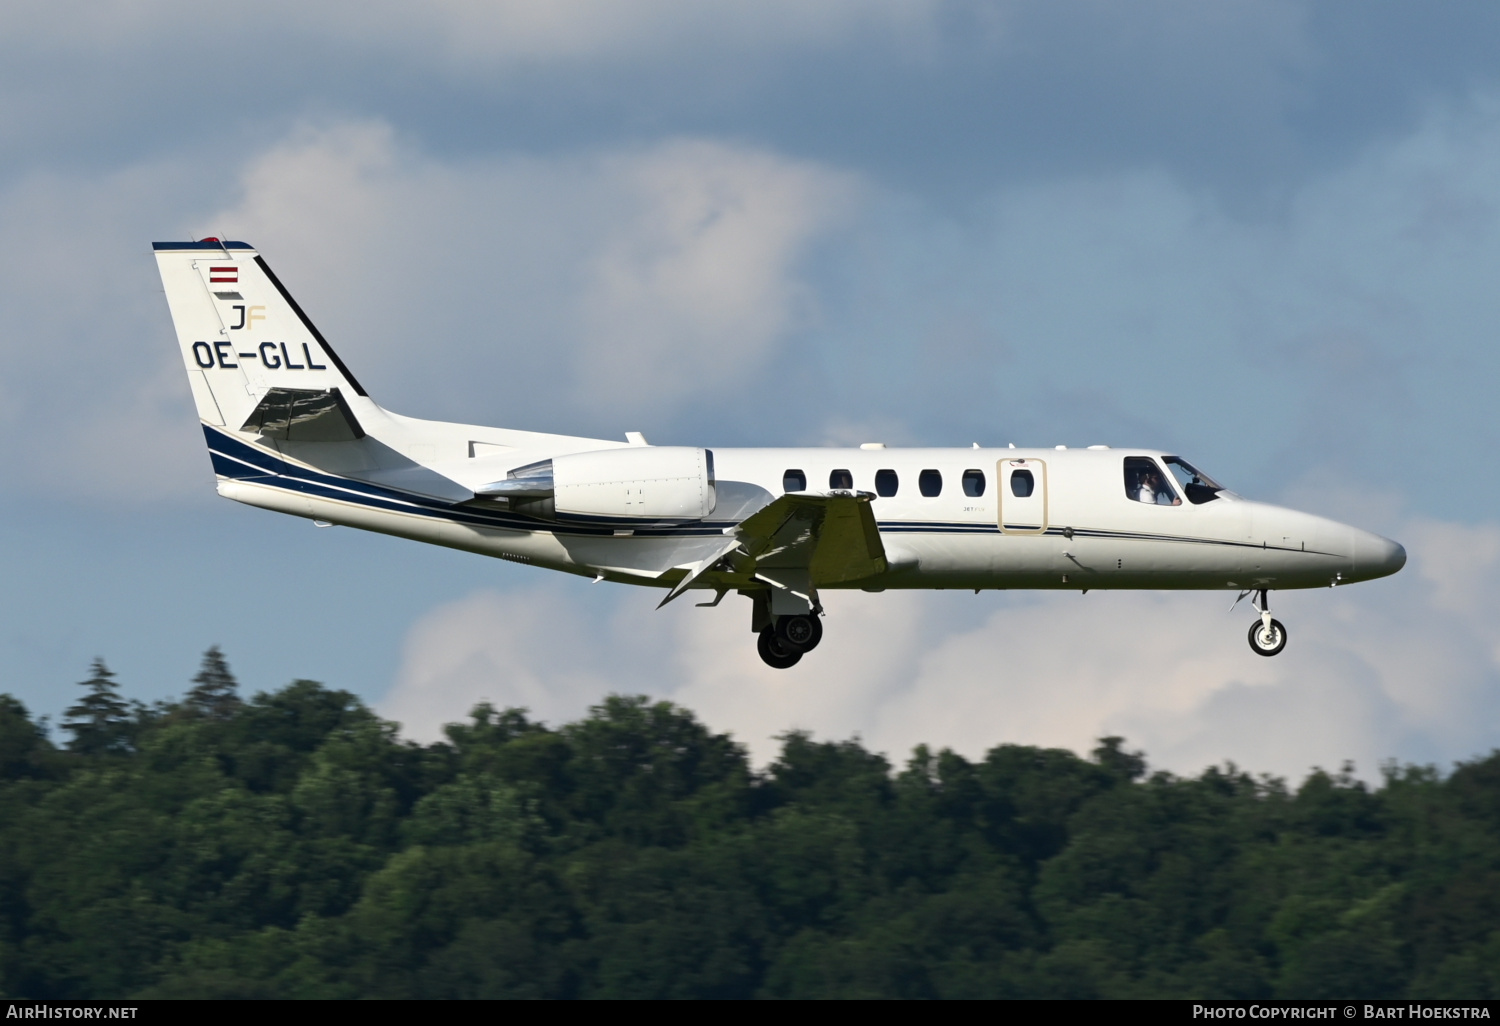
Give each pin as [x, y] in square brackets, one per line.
[304, 415]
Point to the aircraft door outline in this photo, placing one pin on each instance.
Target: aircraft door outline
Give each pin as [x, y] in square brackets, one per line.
[1021, 498]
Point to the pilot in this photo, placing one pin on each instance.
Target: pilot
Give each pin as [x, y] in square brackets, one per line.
[1154, 493]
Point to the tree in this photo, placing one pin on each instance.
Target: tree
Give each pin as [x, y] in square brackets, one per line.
[300, 848]
[100, 721]
[24, 749]
[1111, 754]
[215, 693]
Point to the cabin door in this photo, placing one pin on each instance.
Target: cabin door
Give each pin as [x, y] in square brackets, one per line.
[1022, 496]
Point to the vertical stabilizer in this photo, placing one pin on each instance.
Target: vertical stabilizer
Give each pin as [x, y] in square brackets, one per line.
[245, 342]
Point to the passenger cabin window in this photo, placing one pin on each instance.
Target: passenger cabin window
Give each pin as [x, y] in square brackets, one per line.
[886, 483]
[1196, 485]
[840, 479]
[930, 483]
[794, 481]
[1022, 484]
[1144, 483]
[974, 482]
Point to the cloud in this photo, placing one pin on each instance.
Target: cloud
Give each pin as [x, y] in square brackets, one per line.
[93, 395]
[473, 33]
[608, 285]
[1407, 668]
[691, 293]
[949, 97]
[512, 650]
[468, 33]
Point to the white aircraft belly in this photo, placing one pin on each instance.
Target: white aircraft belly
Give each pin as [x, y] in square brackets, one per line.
[1094, 558]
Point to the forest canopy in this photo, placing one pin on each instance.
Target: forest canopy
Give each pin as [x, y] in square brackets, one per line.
[292, 844]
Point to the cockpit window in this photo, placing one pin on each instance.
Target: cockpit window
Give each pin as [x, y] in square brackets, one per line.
[1144, 482]
[1198, 486]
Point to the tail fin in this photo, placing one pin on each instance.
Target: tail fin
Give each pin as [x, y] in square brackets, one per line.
[253, 358]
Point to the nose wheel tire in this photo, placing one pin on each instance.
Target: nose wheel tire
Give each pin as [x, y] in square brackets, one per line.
[1267, 640]
[801, 632]
[776, 653]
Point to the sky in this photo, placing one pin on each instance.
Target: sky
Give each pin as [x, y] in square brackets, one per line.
[1261, 234]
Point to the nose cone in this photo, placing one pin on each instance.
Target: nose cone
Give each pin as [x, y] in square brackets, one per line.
[1375, 556]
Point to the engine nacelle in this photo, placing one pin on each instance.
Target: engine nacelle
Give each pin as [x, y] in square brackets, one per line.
[662, 482]
[656, 482]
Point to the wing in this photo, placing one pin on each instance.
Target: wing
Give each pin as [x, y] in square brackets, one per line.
[797, 542]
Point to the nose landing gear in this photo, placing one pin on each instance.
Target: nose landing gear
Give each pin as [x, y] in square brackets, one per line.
[1267, 636]
[783, 643]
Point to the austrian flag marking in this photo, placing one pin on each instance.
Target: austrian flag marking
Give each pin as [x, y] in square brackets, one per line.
[224, 274]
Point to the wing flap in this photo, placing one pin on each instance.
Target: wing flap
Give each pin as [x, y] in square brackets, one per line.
[834, 537]
[849, 546]
[796, 543]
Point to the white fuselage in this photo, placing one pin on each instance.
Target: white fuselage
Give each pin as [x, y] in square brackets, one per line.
[1083, 531]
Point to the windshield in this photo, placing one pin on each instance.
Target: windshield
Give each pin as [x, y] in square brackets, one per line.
[1196, 485]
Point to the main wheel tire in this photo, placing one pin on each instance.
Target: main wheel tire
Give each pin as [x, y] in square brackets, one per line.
[801, 632]
[774, 652]
[1267, 642]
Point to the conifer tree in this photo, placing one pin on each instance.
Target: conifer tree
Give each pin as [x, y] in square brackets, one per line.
[100, 721]
[215, 693]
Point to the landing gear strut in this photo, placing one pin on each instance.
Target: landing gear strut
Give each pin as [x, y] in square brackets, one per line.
[782, 643]
[1267, 636]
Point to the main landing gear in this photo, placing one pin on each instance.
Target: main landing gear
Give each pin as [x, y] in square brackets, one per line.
[1267, 636]
[782, 643]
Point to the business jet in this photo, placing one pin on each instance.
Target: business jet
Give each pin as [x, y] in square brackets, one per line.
[290, 429]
